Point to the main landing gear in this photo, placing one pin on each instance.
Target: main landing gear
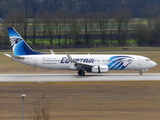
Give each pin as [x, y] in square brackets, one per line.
[81, 72]
[140, 72]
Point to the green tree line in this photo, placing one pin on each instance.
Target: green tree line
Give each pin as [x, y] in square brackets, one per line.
[80, 6]
[70, 27]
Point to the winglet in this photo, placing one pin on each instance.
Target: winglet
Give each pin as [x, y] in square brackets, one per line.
[70, 58]
[52, 52]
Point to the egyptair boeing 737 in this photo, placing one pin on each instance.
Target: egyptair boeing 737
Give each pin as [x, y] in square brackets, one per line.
[22, 53]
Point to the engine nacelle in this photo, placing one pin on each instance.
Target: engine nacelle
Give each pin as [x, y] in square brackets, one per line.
[100, 69]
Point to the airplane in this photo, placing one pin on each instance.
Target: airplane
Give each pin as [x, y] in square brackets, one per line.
[101, 63]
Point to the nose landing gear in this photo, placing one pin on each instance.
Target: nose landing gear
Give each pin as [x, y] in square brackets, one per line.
[140, 72]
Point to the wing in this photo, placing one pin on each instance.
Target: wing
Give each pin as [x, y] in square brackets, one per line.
[78, 65]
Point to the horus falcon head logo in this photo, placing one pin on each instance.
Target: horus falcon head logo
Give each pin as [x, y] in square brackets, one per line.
[119, 62]
[14, 41]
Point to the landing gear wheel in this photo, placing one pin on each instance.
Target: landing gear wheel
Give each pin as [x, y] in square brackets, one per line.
[81, 72]
[141, 73]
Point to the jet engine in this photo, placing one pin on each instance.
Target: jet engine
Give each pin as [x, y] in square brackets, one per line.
[100, 69]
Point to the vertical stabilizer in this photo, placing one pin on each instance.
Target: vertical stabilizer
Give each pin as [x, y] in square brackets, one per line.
[19, 46]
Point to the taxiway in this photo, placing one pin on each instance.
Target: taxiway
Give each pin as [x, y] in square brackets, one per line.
[74, 77]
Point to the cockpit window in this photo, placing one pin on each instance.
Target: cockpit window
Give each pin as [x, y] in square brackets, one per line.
[147, 59]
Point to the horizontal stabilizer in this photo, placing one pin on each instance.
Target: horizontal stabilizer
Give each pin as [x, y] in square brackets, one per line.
[8, 55]
[14, 57]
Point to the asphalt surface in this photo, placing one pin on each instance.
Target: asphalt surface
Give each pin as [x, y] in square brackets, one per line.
[74, 77]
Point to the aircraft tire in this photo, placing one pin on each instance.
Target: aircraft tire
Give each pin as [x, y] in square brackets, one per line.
[81, 72]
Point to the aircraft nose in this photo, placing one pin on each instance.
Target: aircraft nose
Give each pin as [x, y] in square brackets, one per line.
[154, 64]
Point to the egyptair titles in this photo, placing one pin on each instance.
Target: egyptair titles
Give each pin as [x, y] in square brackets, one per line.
[81, 60]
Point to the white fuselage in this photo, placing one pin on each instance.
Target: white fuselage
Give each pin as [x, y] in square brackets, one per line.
[114, 62]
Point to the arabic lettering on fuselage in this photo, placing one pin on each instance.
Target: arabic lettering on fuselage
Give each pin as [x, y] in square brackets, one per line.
[81, 60]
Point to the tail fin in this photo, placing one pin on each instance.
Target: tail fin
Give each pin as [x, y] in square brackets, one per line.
[19, 46]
